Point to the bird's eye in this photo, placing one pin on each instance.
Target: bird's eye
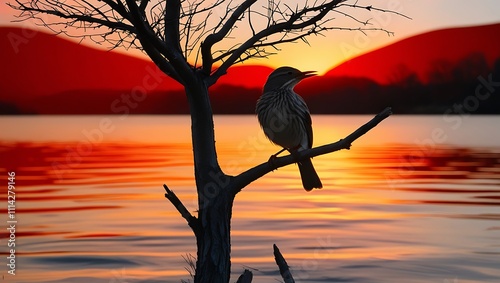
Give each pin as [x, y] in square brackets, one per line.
[290, 73]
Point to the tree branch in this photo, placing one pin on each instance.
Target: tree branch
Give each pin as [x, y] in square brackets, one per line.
[80, 17]
[172, 16]
[143, 5]
[283, 266]
[176, 65]
[192, 221]
[206, 46]
[294, 22]
[245, 178]
[370, 7]
[259, 46]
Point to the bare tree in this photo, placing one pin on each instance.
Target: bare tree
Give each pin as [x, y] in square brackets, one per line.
[180, 37]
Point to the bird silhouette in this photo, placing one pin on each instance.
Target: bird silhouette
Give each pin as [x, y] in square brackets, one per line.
[285, 119]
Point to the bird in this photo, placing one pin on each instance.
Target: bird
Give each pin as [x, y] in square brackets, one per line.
[285, 119]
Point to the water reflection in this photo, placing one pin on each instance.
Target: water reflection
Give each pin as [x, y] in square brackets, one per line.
[395, 211]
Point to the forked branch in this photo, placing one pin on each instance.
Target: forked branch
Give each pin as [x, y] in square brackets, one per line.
[296, 21]
[206, 46]
[284, 24]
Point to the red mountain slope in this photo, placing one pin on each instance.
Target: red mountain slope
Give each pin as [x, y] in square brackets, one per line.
[36, 64]
[418, 53]
[42, 73]
[41, 64]
[247, 76]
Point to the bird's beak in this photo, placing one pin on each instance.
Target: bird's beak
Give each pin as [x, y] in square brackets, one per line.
[308, 74]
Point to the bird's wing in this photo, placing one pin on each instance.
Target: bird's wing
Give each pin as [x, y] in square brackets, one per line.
[306, 116]
[309, 129]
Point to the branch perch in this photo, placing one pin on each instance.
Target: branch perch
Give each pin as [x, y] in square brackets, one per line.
[245, 178]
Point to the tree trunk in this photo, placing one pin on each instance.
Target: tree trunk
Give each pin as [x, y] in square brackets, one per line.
[214, 242]
[215, 203]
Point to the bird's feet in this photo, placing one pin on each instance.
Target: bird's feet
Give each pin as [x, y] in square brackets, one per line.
[272, 160]
[294, 152]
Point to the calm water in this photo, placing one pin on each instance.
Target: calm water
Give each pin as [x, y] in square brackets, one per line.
[415, 200]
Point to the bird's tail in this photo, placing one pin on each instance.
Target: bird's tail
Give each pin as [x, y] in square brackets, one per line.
[310, 178]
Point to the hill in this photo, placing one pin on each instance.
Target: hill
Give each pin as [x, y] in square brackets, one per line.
[47, 74]
[44, 64]
[422, 54]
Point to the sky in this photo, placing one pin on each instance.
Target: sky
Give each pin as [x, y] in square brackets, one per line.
[334, 47]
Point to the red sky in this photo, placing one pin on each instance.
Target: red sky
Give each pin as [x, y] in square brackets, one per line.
[336, 47]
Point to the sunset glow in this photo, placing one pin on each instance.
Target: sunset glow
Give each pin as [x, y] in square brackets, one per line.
[114, 172]
[335, 47]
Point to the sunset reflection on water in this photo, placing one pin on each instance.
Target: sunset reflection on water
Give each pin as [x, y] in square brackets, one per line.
[389, 210]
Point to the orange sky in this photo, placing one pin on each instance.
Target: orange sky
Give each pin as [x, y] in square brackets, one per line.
[335, 47]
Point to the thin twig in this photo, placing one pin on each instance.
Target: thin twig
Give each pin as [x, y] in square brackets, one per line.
[191, 220]
[370, 7]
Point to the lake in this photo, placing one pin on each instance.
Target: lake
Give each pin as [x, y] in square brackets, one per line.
[417, 199]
